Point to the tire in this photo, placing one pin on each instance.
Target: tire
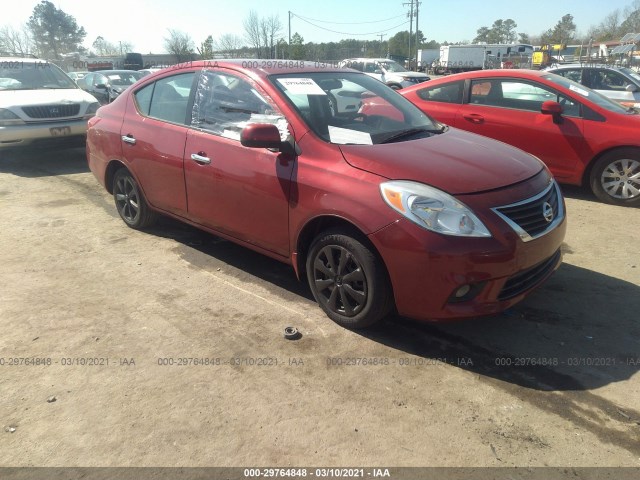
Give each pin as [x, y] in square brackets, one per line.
[348, 280]
[615, 177]
[333, 104]
[130, 201]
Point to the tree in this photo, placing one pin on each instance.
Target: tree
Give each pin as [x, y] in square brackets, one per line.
[105, 47]
[252, 32]
[399, 43]
[297, 47]
[179, 44]
[524, 38]
[270, 28]
[54, 32]
[206, 48]
[502, 31]
[16, 41]
[563, 32]
[229, 44]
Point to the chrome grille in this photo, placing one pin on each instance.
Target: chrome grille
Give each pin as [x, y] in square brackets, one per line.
[535, 216]
[527, 279]
[52, 111]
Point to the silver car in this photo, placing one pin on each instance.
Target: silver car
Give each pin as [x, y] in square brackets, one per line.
[386, 70]
[40, 104]
[618, 83]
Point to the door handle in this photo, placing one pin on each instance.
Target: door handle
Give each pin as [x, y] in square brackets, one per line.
[129, 139]
[474, 118]
[196, 157]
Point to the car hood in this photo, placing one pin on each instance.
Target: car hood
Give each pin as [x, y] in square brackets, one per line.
[455, 161]
[409, 74]
[45, 96]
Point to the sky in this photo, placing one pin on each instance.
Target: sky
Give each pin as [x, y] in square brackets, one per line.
[145, 23]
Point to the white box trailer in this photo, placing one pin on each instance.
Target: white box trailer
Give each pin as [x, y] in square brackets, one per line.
[463, 58]
[426, 57]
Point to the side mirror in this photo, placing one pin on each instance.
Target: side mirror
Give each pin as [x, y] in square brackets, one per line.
[552, 108]
[261, 135]
[377, 71]
[101, 86]
[631, 88]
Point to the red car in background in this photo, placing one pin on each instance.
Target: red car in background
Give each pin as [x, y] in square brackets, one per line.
[583, 137]
[382, 211]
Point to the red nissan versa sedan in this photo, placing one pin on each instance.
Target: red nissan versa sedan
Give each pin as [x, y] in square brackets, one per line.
[376, 212]
[582, 136]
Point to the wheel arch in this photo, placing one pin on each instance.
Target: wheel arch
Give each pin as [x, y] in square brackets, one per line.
[110, 171]
[329, 222]
[586, 175]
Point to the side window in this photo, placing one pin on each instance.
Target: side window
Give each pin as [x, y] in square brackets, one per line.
[143, 99]
[370, 67]
[574, 74]
[224, 104]
[609, 80]
[356, 66]
[167, 99]
[99, 79]
[448, 93]
[520, 95]
[171, 98]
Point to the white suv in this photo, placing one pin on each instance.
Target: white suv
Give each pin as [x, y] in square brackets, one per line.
[386, 70]
[41, 105]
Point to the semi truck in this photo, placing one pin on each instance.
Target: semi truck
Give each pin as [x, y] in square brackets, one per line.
[464, 58]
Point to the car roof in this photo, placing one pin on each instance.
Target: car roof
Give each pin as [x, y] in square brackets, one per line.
[22, 59]
[260, 67]
[582, 65]
[491, 73]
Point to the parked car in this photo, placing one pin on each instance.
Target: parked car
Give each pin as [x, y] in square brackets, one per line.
[41, 105]
[583, 137]
[75, 76]
[618, 83]
[387, 71]
[106, 85]
[149, 71]
[374, 211]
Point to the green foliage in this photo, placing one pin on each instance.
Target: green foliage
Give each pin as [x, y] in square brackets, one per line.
[563, 32]
[399, 43]
[54, 32]
[206, 48]
[502, 31]
[297, 47]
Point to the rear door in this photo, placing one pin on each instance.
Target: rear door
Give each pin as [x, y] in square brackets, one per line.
[239, 191]
[154, 132]
[508, 109]
[442, 101]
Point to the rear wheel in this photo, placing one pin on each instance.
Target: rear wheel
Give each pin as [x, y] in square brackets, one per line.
[347, 280]
[130, 202]
[615, 177]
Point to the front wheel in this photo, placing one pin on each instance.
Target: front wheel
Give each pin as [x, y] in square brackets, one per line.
[130, 202]
[347, 280]
[615, 177]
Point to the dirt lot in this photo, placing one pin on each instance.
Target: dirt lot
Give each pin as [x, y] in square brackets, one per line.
[117, 317]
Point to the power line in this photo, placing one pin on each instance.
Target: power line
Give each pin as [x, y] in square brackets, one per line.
[348, 23]
[348, 33]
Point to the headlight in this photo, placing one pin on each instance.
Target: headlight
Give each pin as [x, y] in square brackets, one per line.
[432, 209]
[8, 118]
[92, 109]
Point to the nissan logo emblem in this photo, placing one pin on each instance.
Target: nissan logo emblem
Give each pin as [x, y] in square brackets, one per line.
[547, 212]
[54, 111]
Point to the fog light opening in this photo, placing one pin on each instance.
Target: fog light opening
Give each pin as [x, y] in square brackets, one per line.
[462, 291]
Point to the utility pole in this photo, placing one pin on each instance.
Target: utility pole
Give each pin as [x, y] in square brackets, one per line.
[417, 30]
[289, 46]
[382, 35]
[410, 4]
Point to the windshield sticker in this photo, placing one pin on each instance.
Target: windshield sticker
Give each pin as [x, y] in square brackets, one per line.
[301, 86]
[579, 90]
[345, 136]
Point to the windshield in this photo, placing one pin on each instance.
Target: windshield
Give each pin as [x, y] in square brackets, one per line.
[391, 66]
[123, 78]
[22, 75]
[353, 108]
[631, 73]
[587, 93]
